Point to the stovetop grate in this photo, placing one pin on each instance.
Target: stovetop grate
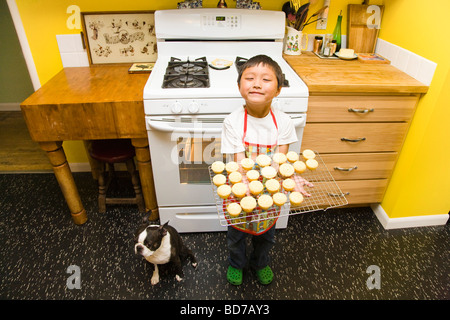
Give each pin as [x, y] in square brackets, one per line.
[186, 74]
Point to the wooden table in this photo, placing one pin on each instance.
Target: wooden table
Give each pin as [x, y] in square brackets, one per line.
[88, 103]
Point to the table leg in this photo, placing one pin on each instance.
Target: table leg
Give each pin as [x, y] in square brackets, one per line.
[57, 157]
[146, 176]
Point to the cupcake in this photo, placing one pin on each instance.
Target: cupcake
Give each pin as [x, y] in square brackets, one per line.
[299, 166]
[272, 185]
[235, 177]
[279, 198]
[279, 158]
[268, 172]
[256, 187]
[234, 209]
[312, 164]
[263, 160]
[288, 184]
[219, 179]
[218, 167]
[247, 163]
[252, 175]
[224, 191]
[308, 154]
[265, 202]
[295, 198]
[239, 189]
[231, 166]
[292, 156]
[248, 203]
[286, 170]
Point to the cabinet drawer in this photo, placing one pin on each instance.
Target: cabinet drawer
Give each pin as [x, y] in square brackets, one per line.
[363, 191]
[353, 137]
[355, 191]
[359, 166]
[360, 108]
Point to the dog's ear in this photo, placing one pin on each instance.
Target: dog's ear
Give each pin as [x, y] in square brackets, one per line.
[145, 218]
[162, 229]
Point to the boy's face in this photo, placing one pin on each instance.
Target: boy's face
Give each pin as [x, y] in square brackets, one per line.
[258, 86]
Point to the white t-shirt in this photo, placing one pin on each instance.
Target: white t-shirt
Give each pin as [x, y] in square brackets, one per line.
[259, 130]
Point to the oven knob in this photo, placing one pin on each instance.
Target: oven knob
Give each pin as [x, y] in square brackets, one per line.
[193, 107]
[176, 107]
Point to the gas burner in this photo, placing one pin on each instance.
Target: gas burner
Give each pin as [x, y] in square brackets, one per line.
[239, 62]
[186, 74]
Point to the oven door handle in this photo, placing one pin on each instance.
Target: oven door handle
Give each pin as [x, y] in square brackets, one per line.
[299, 121]
[166, 127]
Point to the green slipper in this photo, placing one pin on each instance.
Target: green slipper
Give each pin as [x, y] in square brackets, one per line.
[234, 276]
[265, 275]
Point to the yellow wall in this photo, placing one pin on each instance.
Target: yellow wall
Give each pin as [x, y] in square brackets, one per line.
[420, 184]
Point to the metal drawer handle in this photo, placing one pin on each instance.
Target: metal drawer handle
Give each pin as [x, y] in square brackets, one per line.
[346, 169]
[353, 140]
[361, 110]
[338, 195]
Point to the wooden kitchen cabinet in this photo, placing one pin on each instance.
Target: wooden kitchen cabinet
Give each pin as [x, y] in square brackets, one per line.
[359, 138]
[357, 119]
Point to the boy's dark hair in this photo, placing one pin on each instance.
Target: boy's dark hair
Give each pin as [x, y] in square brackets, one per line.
[265, 60]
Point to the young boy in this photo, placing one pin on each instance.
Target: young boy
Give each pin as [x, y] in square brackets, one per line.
[254, 129]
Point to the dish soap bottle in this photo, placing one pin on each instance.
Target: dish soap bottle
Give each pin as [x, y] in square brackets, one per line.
[337, 32]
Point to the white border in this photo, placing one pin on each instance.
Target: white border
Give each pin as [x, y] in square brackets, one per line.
[24, 43]
[408, 222]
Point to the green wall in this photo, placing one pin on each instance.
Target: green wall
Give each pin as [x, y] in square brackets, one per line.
[15, 82]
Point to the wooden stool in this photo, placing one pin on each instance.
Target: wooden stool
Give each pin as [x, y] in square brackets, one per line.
[111, 152]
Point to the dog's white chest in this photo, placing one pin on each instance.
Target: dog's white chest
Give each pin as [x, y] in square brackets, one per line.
[162, 254]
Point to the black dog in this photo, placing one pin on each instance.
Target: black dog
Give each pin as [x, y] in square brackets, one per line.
[160, 245]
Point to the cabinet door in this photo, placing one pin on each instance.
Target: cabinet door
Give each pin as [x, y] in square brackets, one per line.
[360, 166]
[353, 137]
[354, 191]
[361, 108]
[363, 191]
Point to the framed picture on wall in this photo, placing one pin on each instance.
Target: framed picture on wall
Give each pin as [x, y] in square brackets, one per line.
[119, 37]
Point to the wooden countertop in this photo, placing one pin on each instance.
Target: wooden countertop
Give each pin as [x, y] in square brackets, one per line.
[100, 102]
[92, 84]
[352, 76]
[96, 102]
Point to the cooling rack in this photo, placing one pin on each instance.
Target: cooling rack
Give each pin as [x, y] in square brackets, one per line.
[324, 194]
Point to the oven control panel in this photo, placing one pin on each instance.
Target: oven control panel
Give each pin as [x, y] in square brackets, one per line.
[221, 22]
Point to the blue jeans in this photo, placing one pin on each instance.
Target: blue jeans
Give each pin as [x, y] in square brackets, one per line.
[259, 258]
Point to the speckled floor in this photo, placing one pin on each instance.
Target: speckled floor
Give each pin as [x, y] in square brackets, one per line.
[322, 255]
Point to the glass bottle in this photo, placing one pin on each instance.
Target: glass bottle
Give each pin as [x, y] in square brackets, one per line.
[337, 32]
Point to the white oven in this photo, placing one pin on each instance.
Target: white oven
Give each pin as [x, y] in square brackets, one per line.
[186, 100]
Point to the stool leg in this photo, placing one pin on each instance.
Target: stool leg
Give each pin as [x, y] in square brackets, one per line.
[137, 188]
[102, 189]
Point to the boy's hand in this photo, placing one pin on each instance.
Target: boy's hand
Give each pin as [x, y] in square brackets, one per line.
[303, 182]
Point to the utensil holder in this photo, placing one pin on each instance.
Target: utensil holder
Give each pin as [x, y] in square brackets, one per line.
[293, 41]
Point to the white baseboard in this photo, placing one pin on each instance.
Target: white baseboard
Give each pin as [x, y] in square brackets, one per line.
[10, 106]
[408, 222]
[80, 166]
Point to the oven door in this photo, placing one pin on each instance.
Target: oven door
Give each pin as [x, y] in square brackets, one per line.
[181, 149]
